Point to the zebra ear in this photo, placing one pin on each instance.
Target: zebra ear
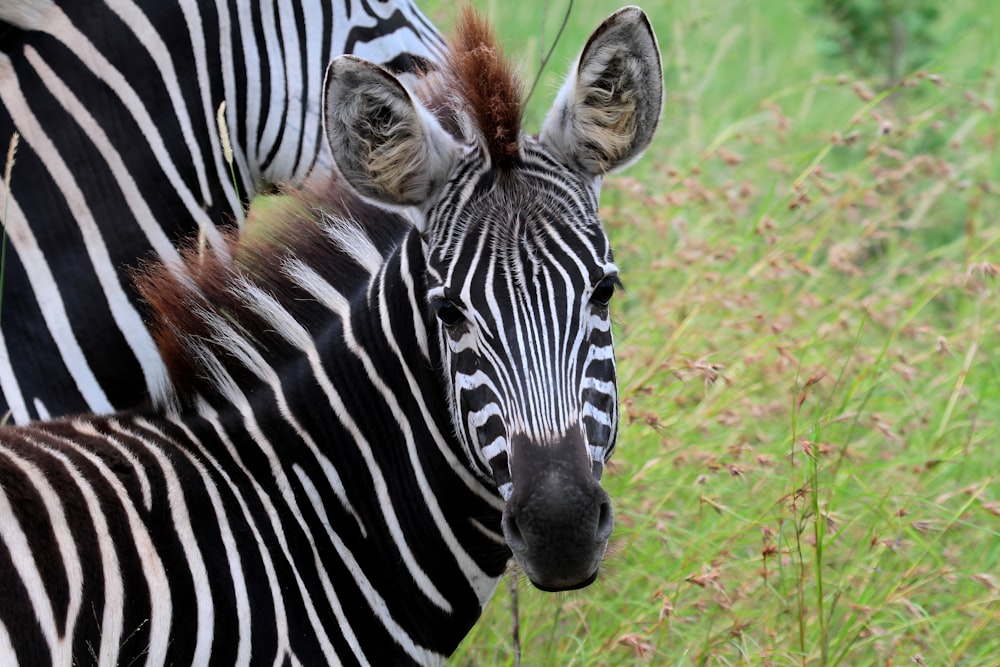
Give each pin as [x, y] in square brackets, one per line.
[609, 106]
[389, 148]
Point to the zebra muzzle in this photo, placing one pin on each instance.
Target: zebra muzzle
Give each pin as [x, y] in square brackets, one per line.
[558, 519]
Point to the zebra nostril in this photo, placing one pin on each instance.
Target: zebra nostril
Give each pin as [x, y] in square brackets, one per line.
[605, 521]
[512, 533]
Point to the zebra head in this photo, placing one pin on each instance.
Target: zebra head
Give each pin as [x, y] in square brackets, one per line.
[519, 270]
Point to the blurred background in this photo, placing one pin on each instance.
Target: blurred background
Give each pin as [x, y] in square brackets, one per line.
[809, 343]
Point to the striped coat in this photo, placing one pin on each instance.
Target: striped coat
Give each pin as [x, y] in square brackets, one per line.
[120, 157]
[303, 512]
[371, 409]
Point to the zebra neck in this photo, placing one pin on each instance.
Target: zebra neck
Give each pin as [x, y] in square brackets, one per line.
[358, 439]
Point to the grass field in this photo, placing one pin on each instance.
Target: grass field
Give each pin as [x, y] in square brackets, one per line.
[809, 352]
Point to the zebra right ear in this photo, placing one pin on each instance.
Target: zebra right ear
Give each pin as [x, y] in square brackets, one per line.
[388, 147]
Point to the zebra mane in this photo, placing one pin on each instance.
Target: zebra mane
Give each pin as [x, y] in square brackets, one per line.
[216, 315]
[479, 81]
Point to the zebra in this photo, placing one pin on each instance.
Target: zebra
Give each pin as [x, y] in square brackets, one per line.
[116, 104]
[401, 378]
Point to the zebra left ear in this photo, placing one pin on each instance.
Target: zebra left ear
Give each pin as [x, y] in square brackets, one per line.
[387, 146]
[608, 108]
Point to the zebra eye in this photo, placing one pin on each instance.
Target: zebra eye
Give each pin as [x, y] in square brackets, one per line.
[603, 291]
[449, 313]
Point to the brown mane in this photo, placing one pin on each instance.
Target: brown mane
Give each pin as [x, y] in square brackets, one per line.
[181, 298]
[481, 75]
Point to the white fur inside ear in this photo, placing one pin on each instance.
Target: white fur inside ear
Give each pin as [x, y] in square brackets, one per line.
[609, 107]
[386, 145]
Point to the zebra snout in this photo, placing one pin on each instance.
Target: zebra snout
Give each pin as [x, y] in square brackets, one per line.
[558, 546]
[557, 522]
[518, 543]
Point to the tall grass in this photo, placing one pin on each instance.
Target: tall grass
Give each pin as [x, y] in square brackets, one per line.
[807, 352]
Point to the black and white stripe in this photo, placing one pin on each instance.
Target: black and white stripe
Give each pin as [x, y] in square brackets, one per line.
[371, 410]
[120, 157]
[532, 255]
[302, 510]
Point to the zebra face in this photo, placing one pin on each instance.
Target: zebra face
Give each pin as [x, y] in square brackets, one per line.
[519, 270]
[521, 298]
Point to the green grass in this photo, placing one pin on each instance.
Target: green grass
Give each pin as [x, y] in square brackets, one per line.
[808, 354]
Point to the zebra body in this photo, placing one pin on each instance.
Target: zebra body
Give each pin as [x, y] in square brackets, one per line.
[239, 537]
[371, 411]
[120, 157]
